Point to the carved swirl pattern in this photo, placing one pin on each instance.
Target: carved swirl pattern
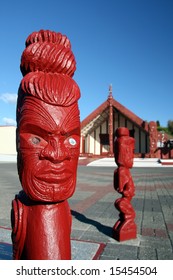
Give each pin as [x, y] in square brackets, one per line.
[153, 138]
[48, 36]
[52, 88]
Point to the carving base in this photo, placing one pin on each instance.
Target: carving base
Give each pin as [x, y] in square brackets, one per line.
[122, 233]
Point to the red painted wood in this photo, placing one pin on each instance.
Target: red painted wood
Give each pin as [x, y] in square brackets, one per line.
[125, 227]
[48, 142]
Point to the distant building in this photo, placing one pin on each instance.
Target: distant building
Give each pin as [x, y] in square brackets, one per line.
[98, 131]
[8, 140]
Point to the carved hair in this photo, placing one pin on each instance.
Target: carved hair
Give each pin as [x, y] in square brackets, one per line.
[48, 64]
[53, 88]
[48, 36]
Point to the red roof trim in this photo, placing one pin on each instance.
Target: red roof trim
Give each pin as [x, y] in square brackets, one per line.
[95, 113]
[122, 109]
[129, 114]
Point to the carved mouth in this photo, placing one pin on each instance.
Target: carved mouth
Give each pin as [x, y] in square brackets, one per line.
[54, 174]
[54, 178]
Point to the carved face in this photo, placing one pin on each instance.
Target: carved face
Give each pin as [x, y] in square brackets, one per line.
[48, 149]
[125, 151]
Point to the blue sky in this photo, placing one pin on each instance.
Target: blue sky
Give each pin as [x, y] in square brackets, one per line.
[126, 43]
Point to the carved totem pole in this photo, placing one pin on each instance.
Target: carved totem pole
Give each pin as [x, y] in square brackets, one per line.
[125, 227]
[153, 137]
[48, 140]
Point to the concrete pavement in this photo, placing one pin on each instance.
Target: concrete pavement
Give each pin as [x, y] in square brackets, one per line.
[94, 214]
[138, 162]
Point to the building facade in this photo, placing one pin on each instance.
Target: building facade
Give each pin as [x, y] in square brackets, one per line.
[98, 131]
[7, 140]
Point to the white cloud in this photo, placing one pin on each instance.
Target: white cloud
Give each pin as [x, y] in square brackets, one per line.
[9, 121]
[9, 97]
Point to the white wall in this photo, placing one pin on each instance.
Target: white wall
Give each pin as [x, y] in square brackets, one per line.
[8, 140]
[91, 143]
[97, 142]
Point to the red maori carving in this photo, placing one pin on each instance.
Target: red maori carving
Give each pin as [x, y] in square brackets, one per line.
[153, 137]
[48, 142]
[125, 227]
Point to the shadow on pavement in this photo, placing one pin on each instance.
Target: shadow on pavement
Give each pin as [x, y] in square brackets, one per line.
[102, 228]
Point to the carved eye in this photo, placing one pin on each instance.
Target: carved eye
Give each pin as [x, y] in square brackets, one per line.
[72, 141]
[35, 140]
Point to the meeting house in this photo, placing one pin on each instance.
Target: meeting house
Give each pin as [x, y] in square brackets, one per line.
[98, 131]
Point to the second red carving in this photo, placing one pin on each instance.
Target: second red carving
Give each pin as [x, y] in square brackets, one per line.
[125, 227]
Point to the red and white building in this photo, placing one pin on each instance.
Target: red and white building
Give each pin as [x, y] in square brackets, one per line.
[98, 131]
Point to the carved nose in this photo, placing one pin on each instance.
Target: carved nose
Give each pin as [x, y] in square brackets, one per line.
[55, 151]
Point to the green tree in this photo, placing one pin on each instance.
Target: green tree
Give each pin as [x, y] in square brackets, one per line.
[170, 126]
[158, 123]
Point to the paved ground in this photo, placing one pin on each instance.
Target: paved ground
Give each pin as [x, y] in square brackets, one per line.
[94, 213]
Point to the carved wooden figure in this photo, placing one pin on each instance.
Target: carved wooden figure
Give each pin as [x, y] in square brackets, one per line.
[48, 140]
[125, 227]
[153, 138]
